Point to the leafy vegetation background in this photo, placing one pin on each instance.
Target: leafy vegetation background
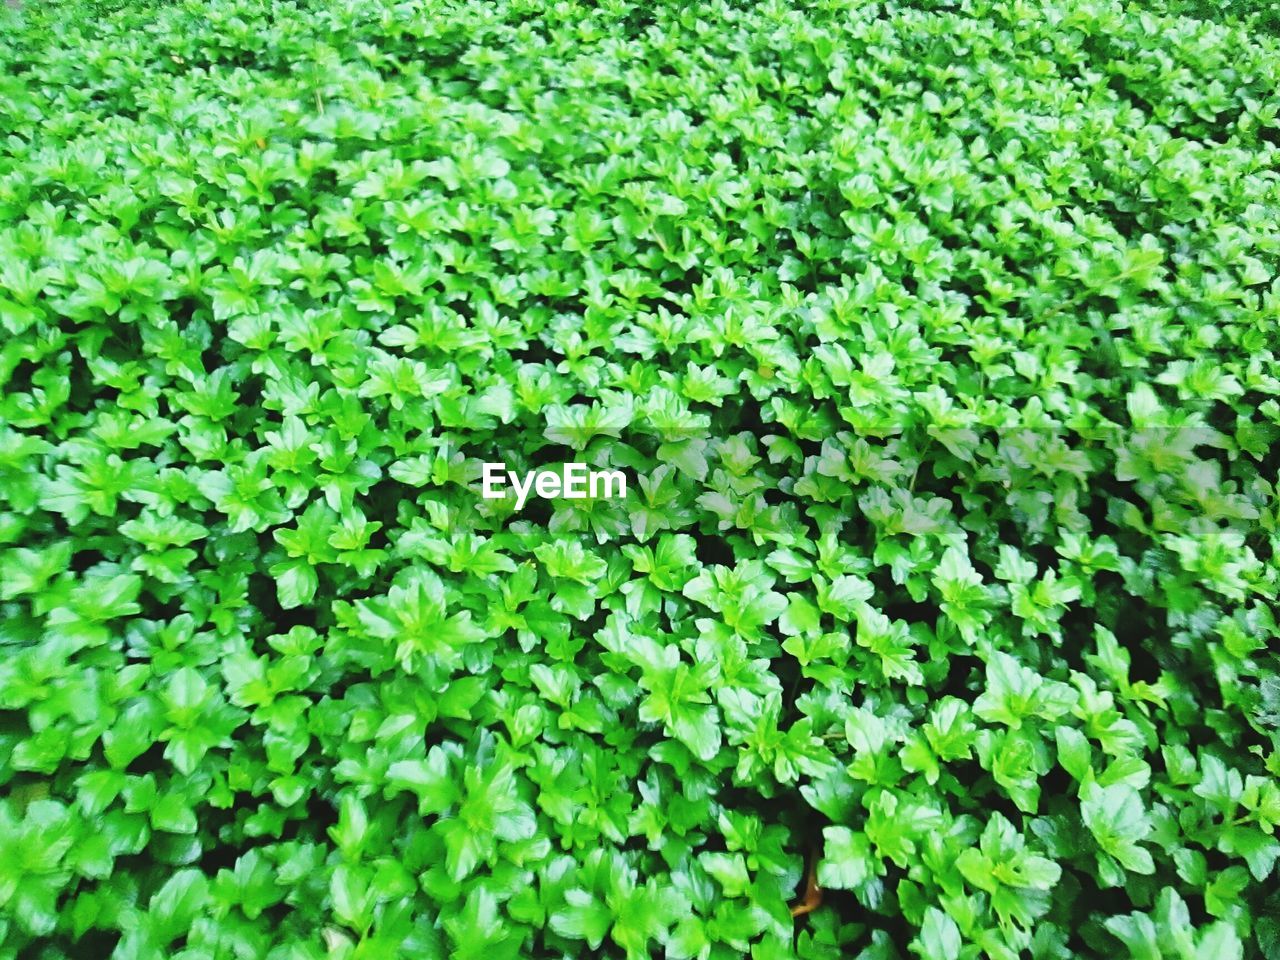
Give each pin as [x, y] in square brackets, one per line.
[940, 337]
[1253, 15]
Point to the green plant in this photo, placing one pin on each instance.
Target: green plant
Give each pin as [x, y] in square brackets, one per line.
[939, 346]
[1252, 15]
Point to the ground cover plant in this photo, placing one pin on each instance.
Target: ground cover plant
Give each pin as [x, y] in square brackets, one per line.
[938, 341]
[1252, 15]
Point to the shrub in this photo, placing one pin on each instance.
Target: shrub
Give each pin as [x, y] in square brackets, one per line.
[1253, 15]
[939, 346]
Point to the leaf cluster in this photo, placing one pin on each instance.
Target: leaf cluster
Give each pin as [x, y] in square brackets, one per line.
[940, 342]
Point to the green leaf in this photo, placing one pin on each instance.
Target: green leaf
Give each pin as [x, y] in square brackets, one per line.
[296, 584]
[1119, 823]
[939, 937]
[847, 862]
[582, 918]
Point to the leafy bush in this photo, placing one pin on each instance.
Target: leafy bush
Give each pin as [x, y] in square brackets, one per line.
[940, 348]
[1260, 15]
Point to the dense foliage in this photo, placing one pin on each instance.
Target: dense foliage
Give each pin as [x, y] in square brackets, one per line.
[1252, 15]
[939, 341]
